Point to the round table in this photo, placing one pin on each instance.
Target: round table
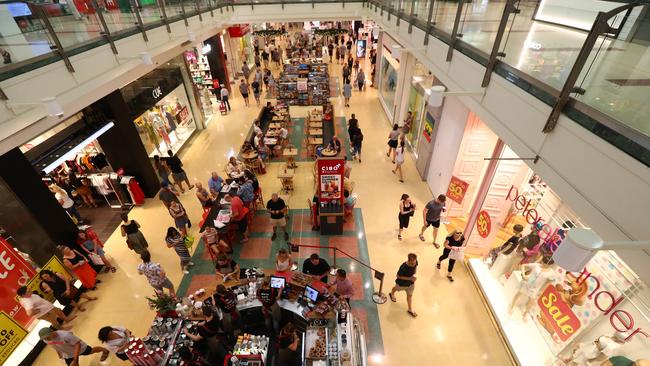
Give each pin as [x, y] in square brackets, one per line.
[329, 153]
[249, 155]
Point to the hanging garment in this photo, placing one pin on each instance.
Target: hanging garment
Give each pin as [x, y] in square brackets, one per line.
[170, 120]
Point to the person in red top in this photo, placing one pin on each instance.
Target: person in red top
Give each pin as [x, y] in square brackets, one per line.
[238, 215]
[216, 88]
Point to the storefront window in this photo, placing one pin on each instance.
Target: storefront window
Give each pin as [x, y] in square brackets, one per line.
[416, 107]
[167, 125]
[388, 82]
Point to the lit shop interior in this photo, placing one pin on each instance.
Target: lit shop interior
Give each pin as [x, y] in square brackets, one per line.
[548, 315]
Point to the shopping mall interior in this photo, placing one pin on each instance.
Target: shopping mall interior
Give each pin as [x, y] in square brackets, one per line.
[325, 183]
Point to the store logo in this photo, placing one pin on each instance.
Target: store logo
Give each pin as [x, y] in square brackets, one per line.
[551, 237]
[334, 168]
[157, 92]
[556, 316]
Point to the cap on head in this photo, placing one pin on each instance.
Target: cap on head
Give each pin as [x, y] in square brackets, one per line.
[45, 332]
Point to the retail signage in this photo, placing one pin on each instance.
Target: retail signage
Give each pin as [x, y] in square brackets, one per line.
[11, 334]
[15, 272]
[556, 315]
[53, 265]
[457, 189]
[157, 92]
[330, 179]
[483, 224]
[238, 30]
[551, 237]
[429, 121]
[302, 84]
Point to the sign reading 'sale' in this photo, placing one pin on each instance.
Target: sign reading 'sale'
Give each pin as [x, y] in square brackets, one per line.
[559, 315]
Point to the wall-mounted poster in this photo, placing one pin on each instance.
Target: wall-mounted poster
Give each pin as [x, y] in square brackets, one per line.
[428, 127]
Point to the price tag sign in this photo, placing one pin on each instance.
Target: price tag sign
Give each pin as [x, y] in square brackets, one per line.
[457, 190]
[11, 334]
[483, 224]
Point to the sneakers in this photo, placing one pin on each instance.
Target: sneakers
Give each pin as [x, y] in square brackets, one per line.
[186, 271]
[399, 236]
[421, 237]
[438, 265]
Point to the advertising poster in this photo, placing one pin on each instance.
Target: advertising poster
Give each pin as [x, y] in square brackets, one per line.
[330, 179]
[54, 265]
[11, 334]
[427, 131]
[15, 272]
[457, 189]
[361, 48]
[483, 224]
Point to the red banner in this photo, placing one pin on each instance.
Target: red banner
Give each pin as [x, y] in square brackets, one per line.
[556, 315]
[483, 224]
[15, 272]
[239, 30]
[330, 179]
[457, 190]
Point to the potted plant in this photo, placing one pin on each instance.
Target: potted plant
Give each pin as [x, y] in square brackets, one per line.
[163, 304]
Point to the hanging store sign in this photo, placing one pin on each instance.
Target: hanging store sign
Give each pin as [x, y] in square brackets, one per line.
[15, 272]
[483, 224]
[556, 315]
[457, 190]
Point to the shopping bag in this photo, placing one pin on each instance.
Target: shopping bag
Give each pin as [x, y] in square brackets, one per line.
[457, 255]
[189, 242]
[96, 259]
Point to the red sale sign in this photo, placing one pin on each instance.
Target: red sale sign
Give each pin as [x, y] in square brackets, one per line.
[483, 224]
[15, 272]
[330, 179]
[556, 315]
[457, 190]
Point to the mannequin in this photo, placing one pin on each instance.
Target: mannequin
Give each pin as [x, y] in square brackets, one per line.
[601, 349]
[506, 248]
[535, 277]
[159, 125]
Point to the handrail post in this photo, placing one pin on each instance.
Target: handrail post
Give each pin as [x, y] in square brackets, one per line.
[334, 267]
[599, 28]
[429, 24]
[163, 10]
[454, 31]
[510, 8]
[105, 31]
[58, 47]
[412, 18]
[198, 10]
[399, 11]
[138, 18]
[183, 13]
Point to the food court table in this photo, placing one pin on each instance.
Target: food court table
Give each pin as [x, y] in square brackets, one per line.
[329, 153]
[249, 155]
[291, 154]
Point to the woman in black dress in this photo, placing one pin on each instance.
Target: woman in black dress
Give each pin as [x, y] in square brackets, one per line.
[62, 289]
[454, 241]
[406, 210]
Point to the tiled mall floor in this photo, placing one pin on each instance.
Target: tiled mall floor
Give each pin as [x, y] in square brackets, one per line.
[453, 327]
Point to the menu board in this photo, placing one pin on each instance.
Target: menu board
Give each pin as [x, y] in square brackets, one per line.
[330, 179]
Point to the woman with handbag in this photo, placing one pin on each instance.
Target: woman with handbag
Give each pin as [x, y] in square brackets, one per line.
[177, 241]
[406, 210]
[62, 289]
[454, 245]
[97, 255]
[78, 264]
[134, 238]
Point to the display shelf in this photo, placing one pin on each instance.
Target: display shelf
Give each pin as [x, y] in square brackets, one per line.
[317, 92]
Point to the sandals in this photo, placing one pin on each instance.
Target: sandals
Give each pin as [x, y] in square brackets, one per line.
[113, 269]
[399, 237]
[438, 265]
[106, 269]
[392, 297]
[104, 356]
[436, 245]
[421, 237]
[412, 313]
[451, 279]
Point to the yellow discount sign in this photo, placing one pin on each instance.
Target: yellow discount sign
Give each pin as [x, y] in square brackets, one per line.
[53, 265]
[11, 334]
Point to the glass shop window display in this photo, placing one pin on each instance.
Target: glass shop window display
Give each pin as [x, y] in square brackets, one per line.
[167, 125]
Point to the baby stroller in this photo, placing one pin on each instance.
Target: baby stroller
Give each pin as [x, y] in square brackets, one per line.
[222, 108]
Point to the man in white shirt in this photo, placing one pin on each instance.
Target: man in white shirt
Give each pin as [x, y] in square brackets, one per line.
[224, 96]
[284, 133]
[256, 127]
[68, 346]
[40, 308]
[257, 139]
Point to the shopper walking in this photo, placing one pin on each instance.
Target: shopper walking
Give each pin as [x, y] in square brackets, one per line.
[399, 161]
[405, 281]
[393, 137]
[78, 264]
[453, 249]
[178, 213]
[244, 89]
[225, 94]
[155, 274]
[357, 141]
[115, 339]
[346, 74]
[135, 240]
[246, 71]
[40, 308]
[278, 209]
[175, 240]
[361, 79]
[431, 215]
[406, 211]
[161, 168]
[178, 173]
[66, 202]
[68, 346]
[167, 194]
[256, 91]
[330, 50]
[347, 92]
[258, 60]
[342, 53]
